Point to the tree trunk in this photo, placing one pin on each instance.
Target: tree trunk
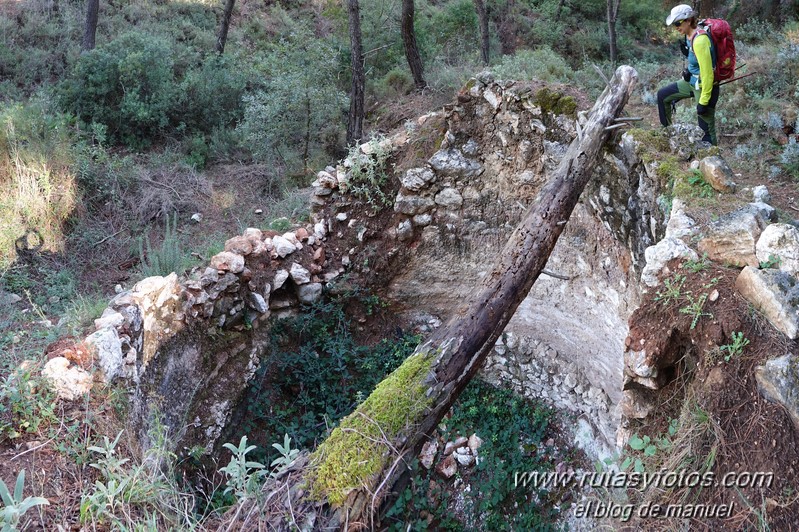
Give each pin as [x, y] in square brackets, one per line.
[613, 11]
[409, 42]
[356, 114]
[221, 38]
[696, 5]
[358, 463]
[482, 19]
[90, 29]
[507, 27]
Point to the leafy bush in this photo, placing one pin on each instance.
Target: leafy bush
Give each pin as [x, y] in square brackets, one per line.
[211, 95]
[368, 175]
[512, 429]
[299, 110]
[14, 506]
[790, 157]
[755, 31]
[26, 403]
[128, 85]
[542, 64]
[319, 373]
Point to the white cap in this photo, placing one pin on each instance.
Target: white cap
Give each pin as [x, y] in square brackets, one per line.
[680, 12]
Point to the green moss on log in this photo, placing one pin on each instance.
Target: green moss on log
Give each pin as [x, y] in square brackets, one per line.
[356, 452]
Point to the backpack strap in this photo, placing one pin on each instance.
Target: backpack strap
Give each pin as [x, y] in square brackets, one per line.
[703, 29]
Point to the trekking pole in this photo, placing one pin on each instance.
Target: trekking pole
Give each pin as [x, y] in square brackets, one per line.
[736, 79]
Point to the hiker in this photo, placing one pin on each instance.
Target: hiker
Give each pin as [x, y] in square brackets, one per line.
[698, 80]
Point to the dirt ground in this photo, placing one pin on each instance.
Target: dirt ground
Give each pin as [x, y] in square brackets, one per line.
[740, 431]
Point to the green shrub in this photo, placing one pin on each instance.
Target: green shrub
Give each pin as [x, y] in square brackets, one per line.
[211, 94]
[128, 85]
[288, 122]
[790, 157]
[168, 257]
[26, 403]
[512, 429]
[319, 373]
[397, 82]
[542, 64]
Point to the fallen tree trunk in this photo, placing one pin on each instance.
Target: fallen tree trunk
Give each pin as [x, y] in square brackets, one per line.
[354, 469]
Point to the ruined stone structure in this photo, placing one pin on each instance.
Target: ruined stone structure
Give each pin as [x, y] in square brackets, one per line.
[189, 346]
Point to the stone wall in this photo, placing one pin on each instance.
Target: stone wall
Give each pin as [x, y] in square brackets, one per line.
[189, 347]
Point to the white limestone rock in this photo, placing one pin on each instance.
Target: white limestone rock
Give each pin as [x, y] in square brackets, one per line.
[452, 162]
[299, 274]
[280, 278]
[775, 293]
[106, 347]
[731, 239]
[661, 253]
[778, 381]
[283, 247]
[309, 293]
[69, 383]
[228, 262]
[416, 179]
[449, 198]
[780, 241]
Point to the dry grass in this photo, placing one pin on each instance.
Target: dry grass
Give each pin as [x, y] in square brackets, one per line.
[37, 194]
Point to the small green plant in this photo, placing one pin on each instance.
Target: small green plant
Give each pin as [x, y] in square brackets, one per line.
[14, 506]
[244, 476]
[130, 495]
[280, 225]
[696, 266]
[700, 187]
[695, 309]
[736, 348]
[649, 448]
[672, 290]
[287, 455]
[367, 172]
[773, 261]
[167, 258]
[26, 404]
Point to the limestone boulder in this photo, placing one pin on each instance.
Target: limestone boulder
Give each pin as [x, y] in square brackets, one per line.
[637, 404]
[449, 198]
[718, 174]
[240, 245]
[660, 254]
[412, 205]
[761, 194]
[416, 179]
[283, 247]
[299, 274]
[309, 293]
[781, 242]
[228, 261]
[731, 239]
[680, 225]
[778, 381]
[69, 382]
[452, 162]
[428, 454]
[106, 348]
[448, 467]
[775, 293]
